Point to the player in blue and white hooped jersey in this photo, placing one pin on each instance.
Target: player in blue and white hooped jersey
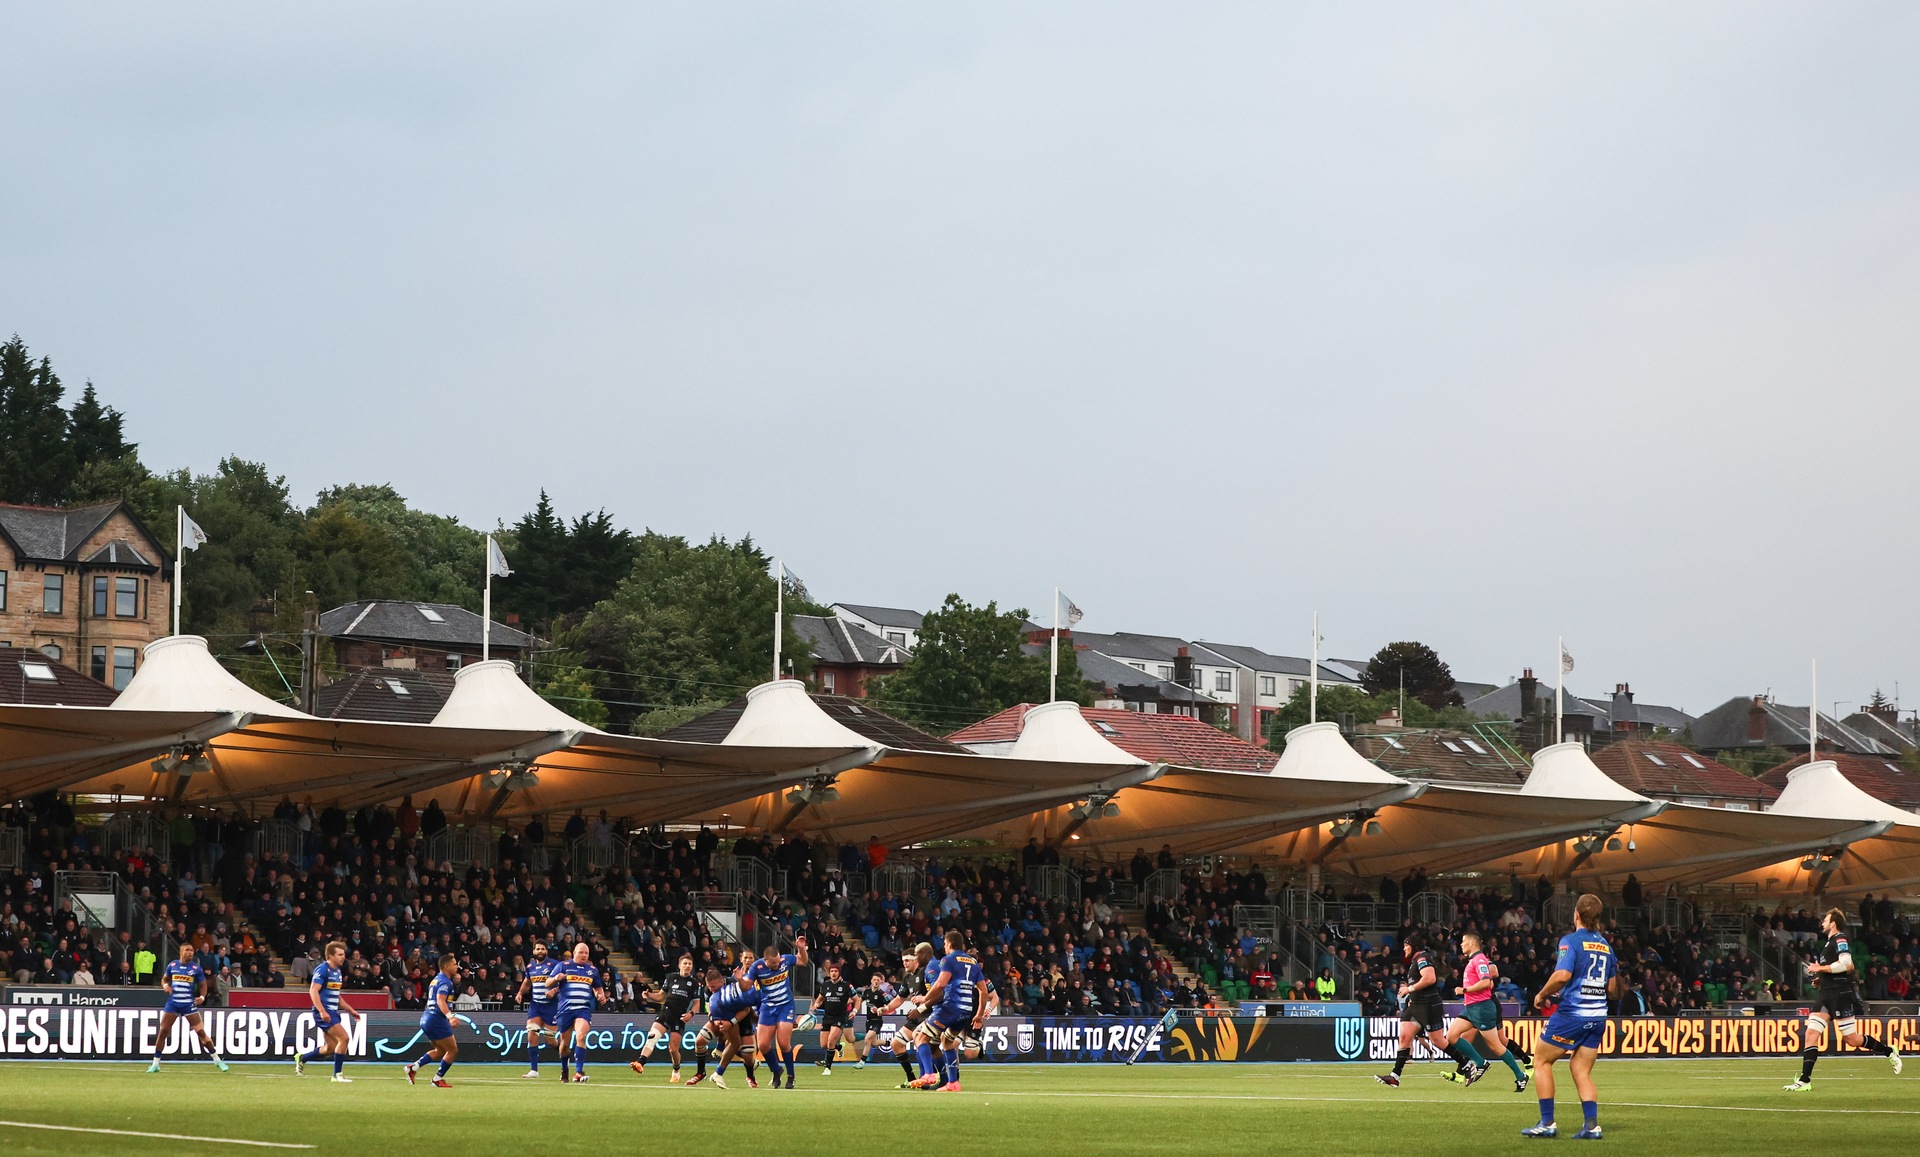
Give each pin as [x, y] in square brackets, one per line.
[540, 992]
[1585, 974]
[729, 1001]
[436, 1024]
[957, 1004]
[186, 985]
[772, 974]
[580, 988]
[330, 1011]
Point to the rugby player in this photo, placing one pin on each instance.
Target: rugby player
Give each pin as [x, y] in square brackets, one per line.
[834, 1006]
[579, 989]
[874, 999]
[186, 985]
[1479, 1019]
[436, 1024]
[677, 996]
[539, 991]
[727, 1001]
[957, 1000]
[329, 1013]
[1584, 975]
[772, 974]
[1836, 1006]
[917, 972]
[1422, 1010]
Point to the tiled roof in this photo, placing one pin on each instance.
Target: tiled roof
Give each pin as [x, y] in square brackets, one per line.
[55, 535]
[1441, 755]
[1505, 703]
[30, 679]
[1884, 779]
[369, 693]
[1725, 728]
[835, 640]
[1126, 645]
[887, 616]
[855, 714]
[1258, 660]
[1176, 739]
[1893, 735]
[391, 621]
[1670, 771]
[1104, 671]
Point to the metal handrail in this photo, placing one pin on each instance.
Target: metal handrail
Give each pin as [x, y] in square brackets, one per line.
[1054, 882]
[591, 857]
[1432, 908]
[464, 846]
[278, 838]
[13, 847]
[1162, 885]
[1302, 905]
[136, 831]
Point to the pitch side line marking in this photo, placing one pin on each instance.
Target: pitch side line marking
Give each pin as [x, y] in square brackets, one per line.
[158, 1136]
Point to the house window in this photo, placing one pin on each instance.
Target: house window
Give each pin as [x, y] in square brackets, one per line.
[100, 596]
[1166, 670]
[53, 593]
[123, 659]
[1267, 683]
[827, 683]
[53, 651]
[1136, 666]
[897, 638]
[98, 667]
[38, 672]
[1655, 760]
[453, 662]
[3, 590]
[126, 598]
[1295, 685]
[1223, 680]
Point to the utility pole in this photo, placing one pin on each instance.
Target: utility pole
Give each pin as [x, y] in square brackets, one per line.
[309, 651]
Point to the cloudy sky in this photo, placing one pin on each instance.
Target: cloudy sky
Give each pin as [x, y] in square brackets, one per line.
[1471, 323]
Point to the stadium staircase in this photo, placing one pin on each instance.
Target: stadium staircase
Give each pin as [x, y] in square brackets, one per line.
[1135, 916]
[622, 960]
[237, 923]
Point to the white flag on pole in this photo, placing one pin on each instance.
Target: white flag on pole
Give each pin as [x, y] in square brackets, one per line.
[1070, 612]
[191, 536]
[1566, 659]
[496, 561]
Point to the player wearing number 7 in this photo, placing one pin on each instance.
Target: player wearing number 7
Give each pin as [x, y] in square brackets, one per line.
[1584, 976]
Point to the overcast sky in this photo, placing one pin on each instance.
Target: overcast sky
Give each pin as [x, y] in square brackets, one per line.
[1474, 324]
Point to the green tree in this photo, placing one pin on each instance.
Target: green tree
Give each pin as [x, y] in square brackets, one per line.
[687, 624]
[1334, 701]
[95, 433]
[560, 679]
[370, 534]
[1426, 678]
[561, 571]
[970, 663]
[38, 466]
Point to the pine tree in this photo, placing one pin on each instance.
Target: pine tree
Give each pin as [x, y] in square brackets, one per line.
[95, 433]
[38, 467]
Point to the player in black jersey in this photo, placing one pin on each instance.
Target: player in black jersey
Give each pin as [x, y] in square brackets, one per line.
[1423, 1010]
[874, 999]
[1836, 1007]
[677, 997]
[913, 983]
[834, 1006]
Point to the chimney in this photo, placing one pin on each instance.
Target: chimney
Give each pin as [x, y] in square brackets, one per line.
[1529, 694]
[1757, 720]
[1183, 668]
[513, 618]
[1887, 713]
[1624, 716]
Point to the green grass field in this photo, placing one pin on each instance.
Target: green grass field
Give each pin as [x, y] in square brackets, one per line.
[1648, 1106]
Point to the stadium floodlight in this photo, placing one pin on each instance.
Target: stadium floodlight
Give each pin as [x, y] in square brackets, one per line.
[497, 778]
[1613, 843]
[1109, 810]
[165, 764]
[826, 793]
[1373, 828]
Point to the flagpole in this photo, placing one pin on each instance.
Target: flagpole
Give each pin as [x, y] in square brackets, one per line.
[1560, 691]
[486, 607]
[1813, 714]
[779, 611]
[1053, 665]
[179, 534]
[1313, 675]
